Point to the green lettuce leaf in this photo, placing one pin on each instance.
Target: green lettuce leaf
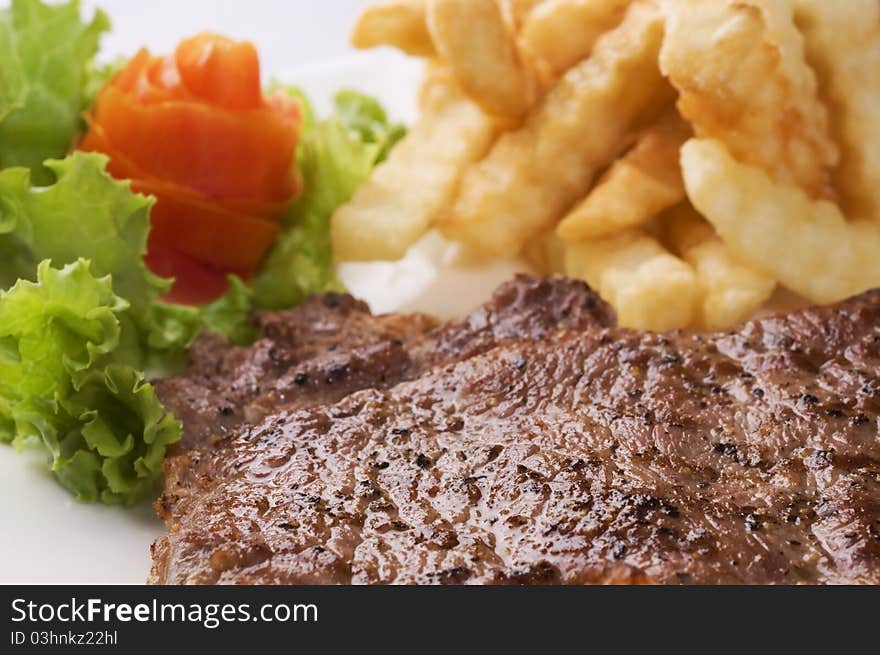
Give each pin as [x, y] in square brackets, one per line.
[365, 116]
[87, 214]
[231, 314]
[64, 382]
[334, 158]
[77, 344]
[46, 54]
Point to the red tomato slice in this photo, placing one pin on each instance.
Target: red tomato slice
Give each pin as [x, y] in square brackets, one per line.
[209, 232]
[195, 131]
[122, 168]
[195, 283]
[224, 72]
[206, 231]
[220, 154]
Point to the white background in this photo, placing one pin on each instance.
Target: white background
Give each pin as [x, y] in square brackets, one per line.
[288, 33]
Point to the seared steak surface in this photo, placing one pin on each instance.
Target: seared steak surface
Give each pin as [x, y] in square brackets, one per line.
[328, 348]
[535, 443]
[331, 346]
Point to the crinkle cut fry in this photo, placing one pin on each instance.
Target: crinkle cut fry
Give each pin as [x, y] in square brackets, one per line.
[560, 33]
[731, 292]
[742, 75]
[401, 24]
[637, 187]
[649, 287]
[808, 245]
[397, 205]
[843, 45]
[474, 39]
[517, 12]
[534, 174]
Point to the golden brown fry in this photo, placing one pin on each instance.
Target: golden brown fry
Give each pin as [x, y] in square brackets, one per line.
[532, 175]
[561, 33]
[843, 44]
[516, 12]
[740, 68]
[401, 24]
[473, 38]
[807, 245]
[637, 187]
[395, 207]
[649, 288]
[730, 291]
[437, 80]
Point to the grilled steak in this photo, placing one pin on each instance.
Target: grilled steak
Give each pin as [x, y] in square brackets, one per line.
[585, 454]
[331, 346]
[328, 348]
[318, 353]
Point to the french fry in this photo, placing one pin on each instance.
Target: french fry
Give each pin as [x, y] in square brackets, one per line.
[561, 33]
[730, 291]
[807, 245]
[473, 38]
[437, 79]
[573, 85]
[649, 288]
[741, 70]
[396, 206]
[637, 187]
[533, 174]
[843, 44]
[516, 12]
[401, 24]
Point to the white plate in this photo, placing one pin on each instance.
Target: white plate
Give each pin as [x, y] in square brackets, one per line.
[50, 538]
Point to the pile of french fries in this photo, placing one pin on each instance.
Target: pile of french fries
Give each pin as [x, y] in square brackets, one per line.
[687, 158]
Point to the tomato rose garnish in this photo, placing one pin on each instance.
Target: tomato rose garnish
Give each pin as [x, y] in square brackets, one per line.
[195, 130]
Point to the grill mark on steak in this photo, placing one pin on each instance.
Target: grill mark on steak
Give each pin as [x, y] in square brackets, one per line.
[589, 455]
